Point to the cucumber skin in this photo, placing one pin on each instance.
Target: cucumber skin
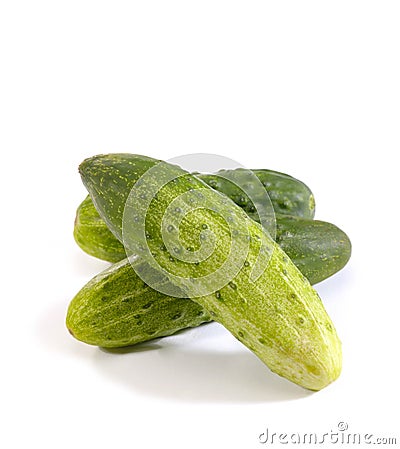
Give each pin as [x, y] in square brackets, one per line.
[288, 195]
[93, 236]
[116, 308]
[279, 317]
[318, 249]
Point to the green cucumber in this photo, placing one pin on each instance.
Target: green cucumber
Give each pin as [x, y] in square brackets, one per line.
[116, 308]
[288, 195]
[317, 248]
[278, 315]
[93, 236]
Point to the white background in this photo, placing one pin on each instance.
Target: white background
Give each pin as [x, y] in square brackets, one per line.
[310, 88]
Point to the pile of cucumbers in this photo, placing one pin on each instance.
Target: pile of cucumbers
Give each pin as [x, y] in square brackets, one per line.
[150, 218]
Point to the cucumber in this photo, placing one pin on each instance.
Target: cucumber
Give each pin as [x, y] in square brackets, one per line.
[275, 313]
[317, 248]
[116, 308]
[93, 236]
[288, 195]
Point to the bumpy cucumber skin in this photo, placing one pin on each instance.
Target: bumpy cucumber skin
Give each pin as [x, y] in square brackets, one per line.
[116, 308]
[93, 236]
[317, 248]
[288, 195]
[279, 317]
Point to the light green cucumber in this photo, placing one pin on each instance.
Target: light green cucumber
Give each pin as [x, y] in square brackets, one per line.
[276, 314]
[93, 236]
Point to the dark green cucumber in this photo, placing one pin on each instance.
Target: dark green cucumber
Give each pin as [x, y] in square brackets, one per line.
[317, 248]
[288, 195]
[278, 315]
[116, 308]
